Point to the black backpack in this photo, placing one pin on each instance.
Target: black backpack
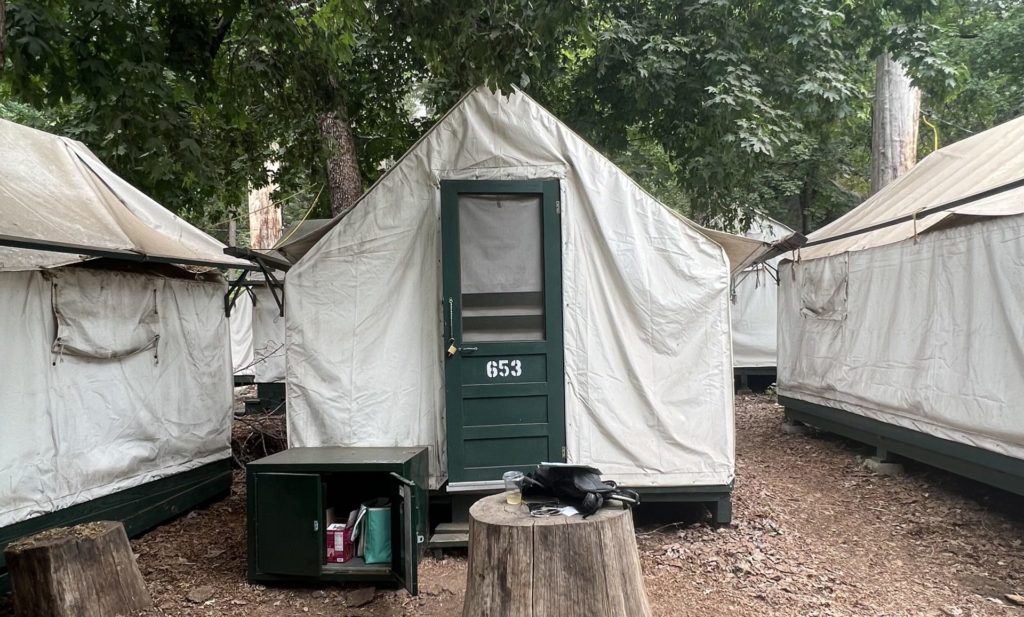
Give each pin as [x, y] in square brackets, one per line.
[578, 485]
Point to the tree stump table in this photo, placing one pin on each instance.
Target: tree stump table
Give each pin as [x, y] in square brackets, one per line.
[83, 571]
[524, 566]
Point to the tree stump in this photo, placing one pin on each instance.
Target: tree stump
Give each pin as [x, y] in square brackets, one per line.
[83, 571]
[523, 566]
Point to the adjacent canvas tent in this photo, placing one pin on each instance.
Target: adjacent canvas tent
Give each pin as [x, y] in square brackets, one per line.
[755, 293]
[506, 295]
[257, 320]
[257, 333]
[900, 323]
[115, 393]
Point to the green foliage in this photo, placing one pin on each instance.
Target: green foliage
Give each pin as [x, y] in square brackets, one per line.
[716, 106]
[987, 39]
[757, 105]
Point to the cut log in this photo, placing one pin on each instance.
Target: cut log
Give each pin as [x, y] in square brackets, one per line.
[552, 566]
[83, 571]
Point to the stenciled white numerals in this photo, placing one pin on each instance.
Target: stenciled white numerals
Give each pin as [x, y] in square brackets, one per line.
[504, 368]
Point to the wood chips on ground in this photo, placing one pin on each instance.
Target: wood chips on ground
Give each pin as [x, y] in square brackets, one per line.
[814, 533]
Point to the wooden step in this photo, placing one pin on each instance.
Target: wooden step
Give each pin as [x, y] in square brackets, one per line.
[449, 540]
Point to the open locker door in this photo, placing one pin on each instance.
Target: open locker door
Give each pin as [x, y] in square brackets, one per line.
[408, 573]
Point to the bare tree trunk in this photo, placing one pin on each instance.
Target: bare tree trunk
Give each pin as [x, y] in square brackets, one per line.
[894, 123]
[344, 180]
[264, 214]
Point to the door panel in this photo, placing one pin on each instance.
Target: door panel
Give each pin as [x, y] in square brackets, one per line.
[289, 507]
[501, 254]
[408, 570]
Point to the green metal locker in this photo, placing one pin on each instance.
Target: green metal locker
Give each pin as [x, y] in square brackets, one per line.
[289, 495]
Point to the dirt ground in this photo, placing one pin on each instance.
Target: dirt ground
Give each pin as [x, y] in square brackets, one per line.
[814, 533]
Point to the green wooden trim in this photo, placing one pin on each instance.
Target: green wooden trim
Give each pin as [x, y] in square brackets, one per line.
[504, 389]
[717, 498]
[451, 304]
[754, 370]
[510, 348]
[139, 508]
[487, 187]
[553, 311]
[509, 430]
[999, 470]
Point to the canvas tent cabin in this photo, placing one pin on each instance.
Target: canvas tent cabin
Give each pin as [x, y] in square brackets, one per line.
[505, 295]
[900, 323]
[115, 393]
[755, 292]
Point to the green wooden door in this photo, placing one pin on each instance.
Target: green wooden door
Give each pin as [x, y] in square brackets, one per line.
[502, 269]
[289, 509]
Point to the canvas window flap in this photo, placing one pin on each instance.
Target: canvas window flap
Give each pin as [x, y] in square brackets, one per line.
[823, 288]
[104, 315]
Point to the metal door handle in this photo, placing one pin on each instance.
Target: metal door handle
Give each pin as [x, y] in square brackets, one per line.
[469, 349]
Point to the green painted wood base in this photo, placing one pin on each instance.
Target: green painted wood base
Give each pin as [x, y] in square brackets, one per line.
[753, 378]
[140, 508]
[717, 498]
[998, 470]
[270, 397]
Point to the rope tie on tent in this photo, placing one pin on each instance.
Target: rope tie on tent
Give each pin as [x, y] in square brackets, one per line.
[59, 341]
[916, 212]
[60, 351]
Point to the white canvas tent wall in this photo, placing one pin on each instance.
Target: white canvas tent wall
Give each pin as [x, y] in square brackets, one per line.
[114, 375]
[648, 366]
[242, 356]
[257, 326]
[755, 303]
[257, 335]
[917, 325]
[267, 337]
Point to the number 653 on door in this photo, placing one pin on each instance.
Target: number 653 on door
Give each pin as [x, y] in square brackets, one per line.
[504, 368]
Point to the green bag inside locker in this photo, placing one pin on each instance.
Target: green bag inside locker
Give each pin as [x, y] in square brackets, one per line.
[375, 531]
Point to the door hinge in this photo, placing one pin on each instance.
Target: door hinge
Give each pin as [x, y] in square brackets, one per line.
[563, 454]
[558, 207]
[316, 525]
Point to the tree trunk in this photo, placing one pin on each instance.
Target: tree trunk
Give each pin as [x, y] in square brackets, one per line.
[264, 214]
[552, 566]
[83, 571]
[894, 122]
[343, 178]
[3, 34]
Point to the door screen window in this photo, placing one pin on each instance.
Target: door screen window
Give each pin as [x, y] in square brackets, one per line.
[502, 265]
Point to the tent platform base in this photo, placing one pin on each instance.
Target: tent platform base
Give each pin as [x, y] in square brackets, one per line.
[999, 470]
[455, 534]
[753, 378]
[270, 398]
[139, 508]
[717, 498]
